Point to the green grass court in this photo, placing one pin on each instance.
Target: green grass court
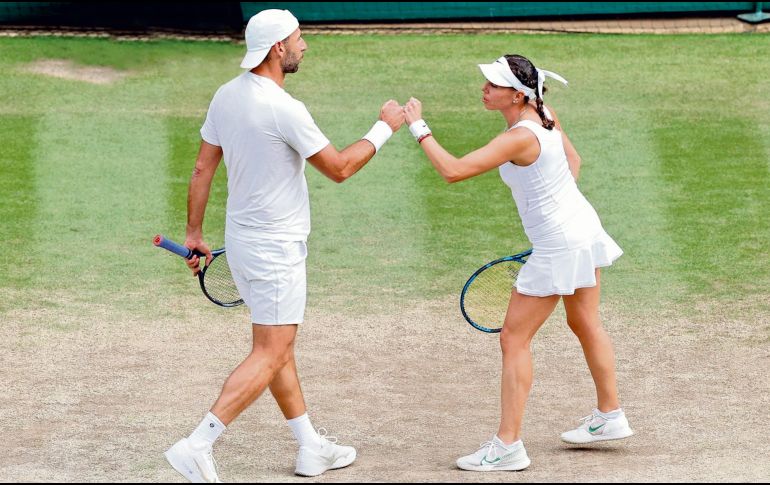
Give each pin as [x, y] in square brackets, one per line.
[674, 133]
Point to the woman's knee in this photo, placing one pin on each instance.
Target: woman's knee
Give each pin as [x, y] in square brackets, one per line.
[586, 328]
[512, 342]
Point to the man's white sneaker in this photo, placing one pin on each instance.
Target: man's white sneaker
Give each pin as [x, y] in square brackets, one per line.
[596, 428]
[328, 456]
[195, 463]
[495, 456]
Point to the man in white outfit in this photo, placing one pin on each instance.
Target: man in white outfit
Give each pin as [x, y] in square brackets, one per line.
[265, 136]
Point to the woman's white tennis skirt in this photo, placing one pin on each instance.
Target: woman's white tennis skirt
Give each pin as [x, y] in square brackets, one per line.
[271, 278]
[560, 272]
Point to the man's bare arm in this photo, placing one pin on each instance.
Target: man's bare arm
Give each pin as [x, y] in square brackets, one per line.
[206, 165]
[341, 165]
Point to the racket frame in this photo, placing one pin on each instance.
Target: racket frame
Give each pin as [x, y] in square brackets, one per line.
[188, 253]
[519, 258]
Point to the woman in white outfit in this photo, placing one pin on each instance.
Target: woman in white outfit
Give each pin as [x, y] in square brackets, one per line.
[538, 162]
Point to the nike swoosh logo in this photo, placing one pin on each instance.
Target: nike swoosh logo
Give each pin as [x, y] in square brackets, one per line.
[594, 430]
[490, 462]
[496, 460]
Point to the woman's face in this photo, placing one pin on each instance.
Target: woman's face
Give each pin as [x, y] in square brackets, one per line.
[497, 97]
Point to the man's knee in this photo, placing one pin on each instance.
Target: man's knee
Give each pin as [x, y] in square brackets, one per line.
[276, 343]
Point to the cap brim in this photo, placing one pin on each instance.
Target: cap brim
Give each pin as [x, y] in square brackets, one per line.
[254, 58]
[493, 75]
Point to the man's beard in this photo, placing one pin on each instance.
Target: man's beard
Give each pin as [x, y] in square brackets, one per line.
[290, 65]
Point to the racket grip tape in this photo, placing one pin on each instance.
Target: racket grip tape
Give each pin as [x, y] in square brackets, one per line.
[175, 248]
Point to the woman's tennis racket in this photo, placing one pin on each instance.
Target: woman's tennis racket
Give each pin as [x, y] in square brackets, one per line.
[215, 278]
[485, 296]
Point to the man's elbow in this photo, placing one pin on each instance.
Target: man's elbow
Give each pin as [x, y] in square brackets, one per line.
[337, 175]
[340, 175]
[342, 171]
[199, 172]
[333, 173]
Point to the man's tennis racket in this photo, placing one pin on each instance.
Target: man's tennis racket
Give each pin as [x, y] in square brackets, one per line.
[215, 278]
[485, 296]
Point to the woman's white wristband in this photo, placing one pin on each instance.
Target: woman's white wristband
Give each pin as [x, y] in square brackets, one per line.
[378, 135]
[419, 129]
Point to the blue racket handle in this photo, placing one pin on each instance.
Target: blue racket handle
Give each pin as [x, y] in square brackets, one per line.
[175, 248]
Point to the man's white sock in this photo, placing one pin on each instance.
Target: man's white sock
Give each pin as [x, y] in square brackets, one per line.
[207, 431]
[304, 432]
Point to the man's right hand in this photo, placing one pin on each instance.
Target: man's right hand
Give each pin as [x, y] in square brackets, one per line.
[197, 244]
[392, 114]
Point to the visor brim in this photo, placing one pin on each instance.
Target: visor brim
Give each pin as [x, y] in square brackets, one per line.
[493, 75]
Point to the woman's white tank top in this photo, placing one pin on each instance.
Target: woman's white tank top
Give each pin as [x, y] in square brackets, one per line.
[555, 214]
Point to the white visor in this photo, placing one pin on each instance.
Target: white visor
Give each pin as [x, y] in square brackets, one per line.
[499, 73]
[494, 74]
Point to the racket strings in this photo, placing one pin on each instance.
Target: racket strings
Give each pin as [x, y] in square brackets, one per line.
[218, 282]
[486, 299]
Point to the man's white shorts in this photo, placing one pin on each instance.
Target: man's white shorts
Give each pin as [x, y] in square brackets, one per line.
[271, 278]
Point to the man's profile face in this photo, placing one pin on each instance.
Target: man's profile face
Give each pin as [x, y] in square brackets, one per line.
[295, 48]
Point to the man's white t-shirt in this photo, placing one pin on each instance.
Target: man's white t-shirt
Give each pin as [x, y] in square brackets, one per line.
[265, 136]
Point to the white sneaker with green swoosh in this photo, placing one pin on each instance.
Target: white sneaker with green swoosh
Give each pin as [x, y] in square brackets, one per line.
[597, 428]
[495, 456]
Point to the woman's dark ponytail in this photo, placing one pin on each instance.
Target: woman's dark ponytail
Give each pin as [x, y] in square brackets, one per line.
[548, 123]
[525, 71]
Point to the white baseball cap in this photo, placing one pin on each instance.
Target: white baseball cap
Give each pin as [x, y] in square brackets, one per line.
[263, 31]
